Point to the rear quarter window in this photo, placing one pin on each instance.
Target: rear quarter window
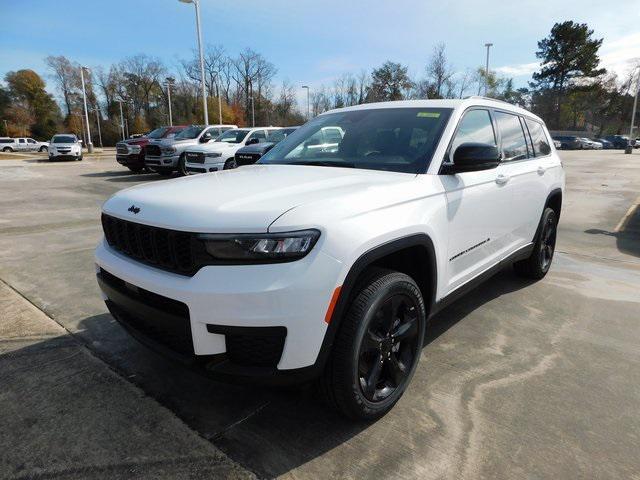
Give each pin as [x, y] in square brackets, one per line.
[541, 146]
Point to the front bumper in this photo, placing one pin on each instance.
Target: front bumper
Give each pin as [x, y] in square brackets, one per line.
[130, 160]
[163, 161]
[64, 156]
[195, 168]
[225, 303]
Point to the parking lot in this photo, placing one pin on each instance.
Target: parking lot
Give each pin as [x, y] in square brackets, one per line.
[517, 379]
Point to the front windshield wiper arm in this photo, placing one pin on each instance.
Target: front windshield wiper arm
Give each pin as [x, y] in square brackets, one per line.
[325, 163]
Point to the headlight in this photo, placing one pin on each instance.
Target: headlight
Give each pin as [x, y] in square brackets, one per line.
[260, 247]
[213, 154]
[169, 150]
[134, 148]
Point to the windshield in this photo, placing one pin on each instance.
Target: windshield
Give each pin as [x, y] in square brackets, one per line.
[393, 139]
[157, 133]
[232, 136]
[64, 139]
[189, 133]
[276, 136]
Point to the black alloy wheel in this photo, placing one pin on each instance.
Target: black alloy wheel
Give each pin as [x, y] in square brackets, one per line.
[388, 348]
[538, 263]
[377, 347]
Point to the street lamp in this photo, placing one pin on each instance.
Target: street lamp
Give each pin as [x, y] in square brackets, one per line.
[121, 118]
[86, 112]
[170, 81]
[308, 111]
[629, 148]
[486, 70]
[204, 91]
[217, 74]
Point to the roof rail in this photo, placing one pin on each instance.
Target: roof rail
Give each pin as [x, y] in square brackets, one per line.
[480, 97]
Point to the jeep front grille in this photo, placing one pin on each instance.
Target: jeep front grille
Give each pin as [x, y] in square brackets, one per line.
[162, 248]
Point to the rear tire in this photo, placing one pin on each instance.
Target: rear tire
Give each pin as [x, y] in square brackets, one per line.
[377, 347]
[7, 149]
[539, 262]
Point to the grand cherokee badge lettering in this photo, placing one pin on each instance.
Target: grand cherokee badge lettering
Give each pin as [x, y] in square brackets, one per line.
[134, 209]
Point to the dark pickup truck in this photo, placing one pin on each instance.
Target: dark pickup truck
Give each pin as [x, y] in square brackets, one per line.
[251, 153]
[131, 152]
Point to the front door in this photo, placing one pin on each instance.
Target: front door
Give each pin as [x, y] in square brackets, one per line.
[478, 206]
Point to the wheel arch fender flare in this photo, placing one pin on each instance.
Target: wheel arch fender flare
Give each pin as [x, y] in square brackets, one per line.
[364, 261]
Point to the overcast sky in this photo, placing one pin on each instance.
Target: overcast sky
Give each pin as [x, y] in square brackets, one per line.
[312, 42]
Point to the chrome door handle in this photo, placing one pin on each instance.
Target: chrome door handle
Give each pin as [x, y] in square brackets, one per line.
[541, 170]
[501, 179]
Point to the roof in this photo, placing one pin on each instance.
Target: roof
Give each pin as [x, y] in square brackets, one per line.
[458, 103]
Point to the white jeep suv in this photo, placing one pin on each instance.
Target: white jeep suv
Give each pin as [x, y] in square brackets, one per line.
[220, 154]
[328, 263]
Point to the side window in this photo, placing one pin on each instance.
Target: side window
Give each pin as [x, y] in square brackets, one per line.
[332, 135]
[259, 134]
[214, 132]
[541, 145]
[31, 140]
[514, 145]
[475, 127]
[21, 140]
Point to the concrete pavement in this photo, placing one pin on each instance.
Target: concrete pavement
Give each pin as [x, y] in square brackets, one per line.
[517, 379]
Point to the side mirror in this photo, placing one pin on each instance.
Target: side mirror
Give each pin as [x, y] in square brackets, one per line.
[473, 157]
[252, 141]
[205, 138]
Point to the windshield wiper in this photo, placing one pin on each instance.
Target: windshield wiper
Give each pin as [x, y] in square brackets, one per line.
[325, 163]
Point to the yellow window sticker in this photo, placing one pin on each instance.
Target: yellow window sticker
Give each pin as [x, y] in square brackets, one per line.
[429, 114]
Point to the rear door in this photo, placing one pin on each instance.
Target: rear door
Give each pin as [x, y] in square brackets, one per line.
[22, 144]
[525, 170]
[478, 205]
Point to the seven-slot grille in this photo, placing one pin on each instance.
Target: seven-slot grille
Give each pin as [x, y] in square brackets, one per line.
[195, 157]
[153, 150]
[122, 149]
[167, 249]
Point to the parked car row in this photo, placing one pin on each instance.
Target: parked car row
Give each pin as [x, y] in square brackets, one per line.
[22, 144]
[197, 148]
[573, 142]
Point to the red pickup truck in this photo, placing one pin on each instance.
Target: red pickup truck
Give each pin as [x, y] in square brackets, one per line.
[131, 152]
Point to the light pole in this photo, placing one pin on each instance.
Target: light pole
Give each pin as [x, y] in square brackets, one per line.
[204, 91]
[86, 112]
[98, 123]
[170, 81]
[253, 112]
[219, 97]
[629, 148]
[486, 69]
[308, 111]
[121, 119]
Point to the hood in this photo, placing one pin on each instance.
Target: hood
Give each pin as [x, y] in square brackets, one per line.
[166, 142]
[137, 141]
[260, 148]
[212, 147]
[251, 198]
[64, 145]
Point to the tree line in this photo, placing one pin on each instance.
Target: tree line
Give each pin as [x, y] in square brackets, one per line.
[571, 90]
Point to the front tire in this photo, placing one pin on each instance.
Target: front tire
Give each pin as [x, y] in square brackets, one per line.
[43, 149]
[182, 167]
[230, 164]
[377, 348]
[539, 262]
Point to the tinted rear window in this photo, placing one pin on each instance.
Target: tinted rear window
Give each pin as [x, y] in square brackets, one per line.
[541, 145]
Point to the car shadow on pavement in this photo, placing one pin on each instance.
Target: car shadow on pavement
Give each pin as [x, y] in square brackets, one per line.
[628, 235]
[125, 176]
[267, 430]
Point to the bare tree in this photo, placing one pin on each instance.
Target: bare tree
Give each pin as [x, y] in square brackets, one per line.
[65, 75]
[439, 72]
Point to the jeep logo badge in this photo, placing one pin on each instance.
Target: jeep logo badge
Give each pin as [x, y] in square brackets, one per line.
[134, 209]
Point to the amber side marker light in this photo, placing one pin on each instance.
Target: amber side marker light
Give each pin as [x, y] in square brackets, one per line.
[332, 304]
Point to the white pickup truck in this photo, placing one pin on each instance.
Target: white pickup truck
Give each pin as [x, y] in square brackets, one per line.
[23, 144]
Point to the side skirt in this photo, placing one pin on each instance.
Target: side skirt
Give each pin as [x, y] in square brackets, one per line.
[520, 254]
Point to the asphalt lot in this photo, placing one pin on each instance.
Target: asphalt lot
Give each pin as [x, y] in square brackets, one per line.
[517, 380]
